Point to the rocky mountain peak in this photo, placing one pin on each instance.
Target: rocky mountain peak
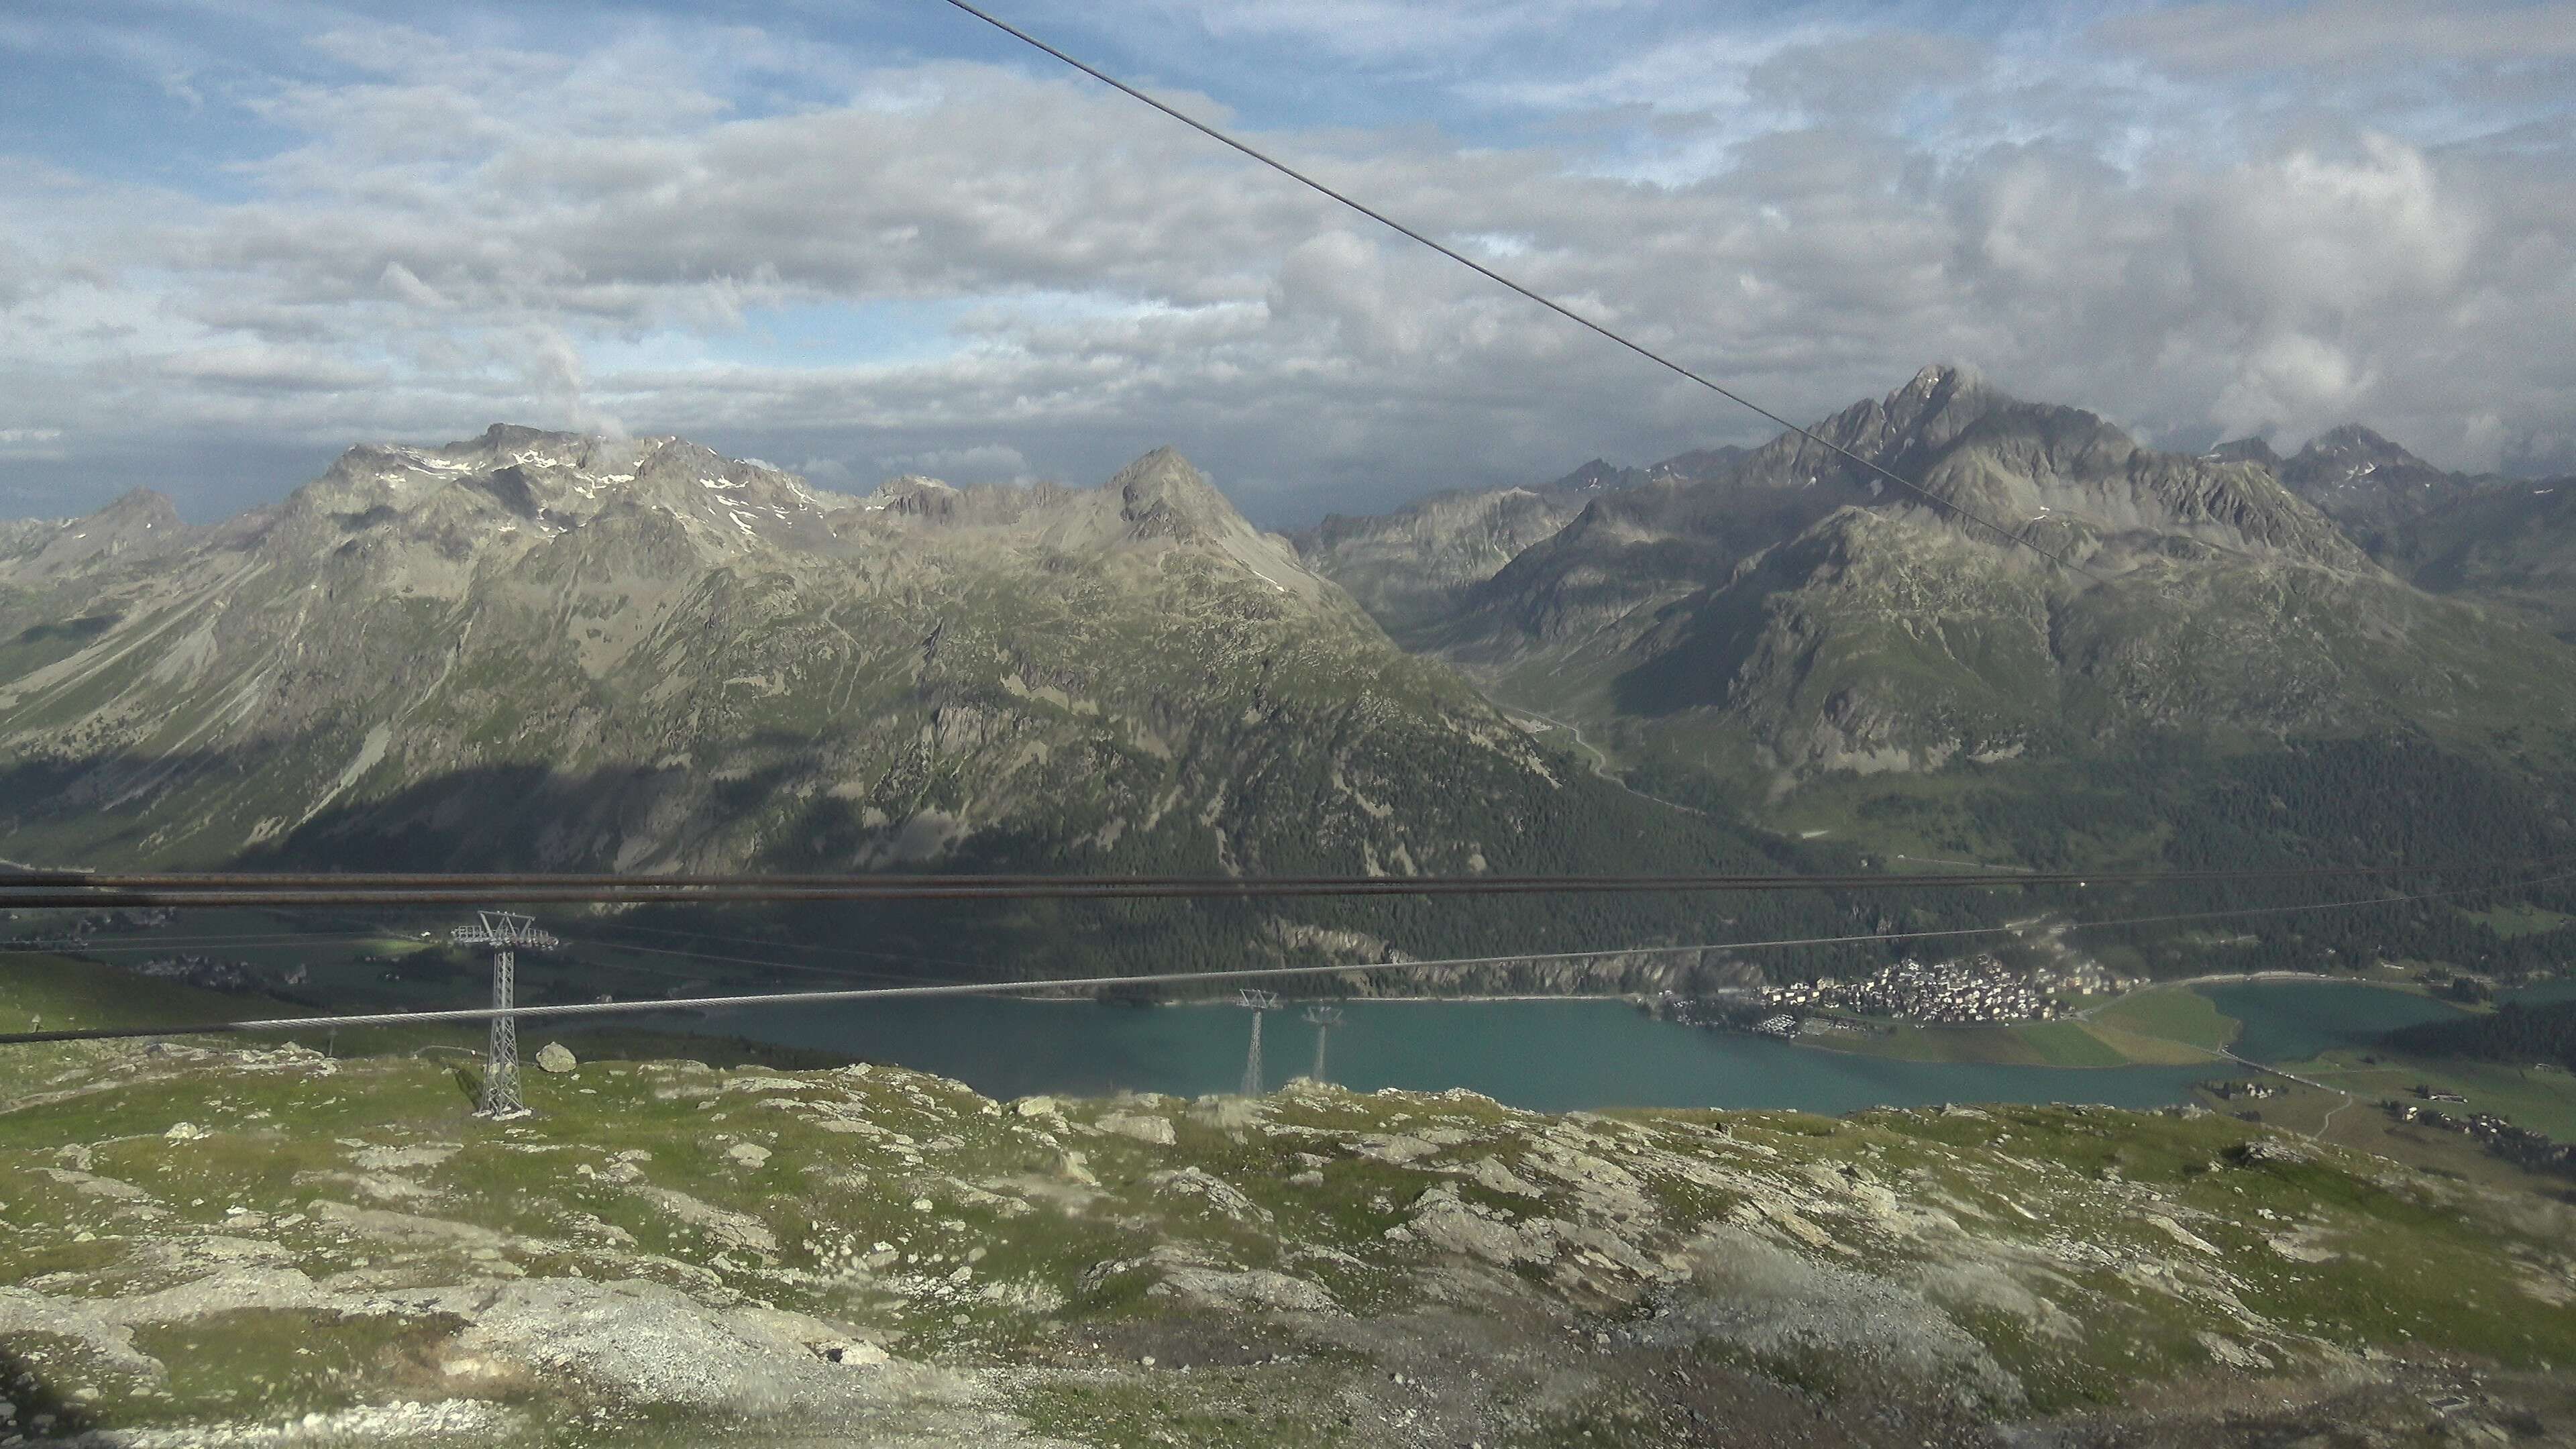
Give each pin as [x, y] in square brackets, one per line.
[515, 481]
[137, 523]
[1699, 465]
[1939, 381]
[913, 495]
[1899, 431]
[1162, 496]
[138, 511]
[2353, 451]
[2370, 486]
[1940, 403]
[2254, 450]
[1597, 476]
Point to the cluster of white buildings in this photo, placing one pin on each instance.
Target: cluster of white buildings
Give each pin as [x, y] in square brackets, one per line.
[1980, 989]
[2084, 978]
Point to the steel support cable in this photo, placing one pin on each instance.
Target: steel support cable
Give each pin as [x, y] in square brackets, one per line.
[1541, 298]
[808, 948]
[15, 880]
[809, 968]
[1084, 983]
[111, 891]
[182, 943]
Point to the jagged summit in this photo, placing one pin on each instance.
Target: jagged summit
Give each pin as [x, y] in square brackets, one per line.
[146, 509]
[2062, 476]
[2372, 487]
[2256, 450]
[515, 488]
[1596, 476]
[1698, 465]
[2355, 448]
[1160, 494]
[136, 524]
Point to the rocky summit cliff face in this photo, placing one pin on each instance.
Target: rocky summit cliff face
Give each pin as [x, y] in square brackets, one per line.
[547, 650]
[2046, 585]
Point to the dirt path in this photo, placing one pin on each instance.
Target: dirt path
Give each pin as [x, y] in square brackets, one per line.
[2324, 1122]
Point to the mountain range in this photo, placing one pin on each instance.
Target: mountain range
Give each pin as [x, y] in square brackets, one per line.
[551, 651]
[2053, 645]
[2509, 542]
[2047, 589]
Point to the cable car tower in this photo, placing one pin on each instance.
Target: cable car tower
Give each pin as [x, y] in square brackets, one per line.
[1324, 1019]
[1259, 1001]
[506, 934]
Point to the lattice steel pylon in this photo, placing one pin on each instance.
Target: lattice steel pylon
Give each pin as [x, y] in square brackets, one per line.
[1259, 1001]
[505, 934]
[1325, 1018]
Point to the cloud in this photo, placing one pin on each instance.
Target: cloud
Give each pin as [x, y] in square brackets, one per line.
[2331, 237]
[2228, 38]
[1407, 30]
[1019, 273]
[976, 463]
[262, 367]
[400, 282]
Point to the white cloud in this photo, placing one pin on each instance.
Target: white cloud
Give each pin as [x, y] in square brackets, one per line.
[462, 232]
[1408, 30]
[2332, 238]
[2224, 38]
[2289, 378]
[262, 366]
[976, 463]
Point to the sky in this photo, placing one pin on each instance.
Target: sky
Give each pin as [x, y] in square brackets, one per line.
[860, 238]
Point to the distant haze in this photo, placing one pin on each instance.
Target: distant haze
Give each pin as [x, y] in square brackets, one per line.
[884, 241]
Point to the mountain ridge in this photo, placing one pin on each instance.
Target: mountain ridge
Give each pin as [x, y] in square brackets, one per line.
[549, 651]
[1791, 616]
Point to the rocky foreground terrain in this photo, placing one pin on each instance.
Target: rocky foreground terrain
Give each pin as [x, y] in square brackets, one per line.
[249, 1247]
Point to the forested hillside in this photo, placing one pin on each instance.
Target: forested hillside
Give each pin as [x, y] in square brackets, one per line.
[2515, 1033]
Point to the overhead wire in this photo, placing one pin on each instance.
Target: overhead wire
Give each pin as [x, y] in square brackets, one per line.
[105, 890]
[810, 949]
[176, 943]
[1651, 355]
[1094, 983]
[770, 965]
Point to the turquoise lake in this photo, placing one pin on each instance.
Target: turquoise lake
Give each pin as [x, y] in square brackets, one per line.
[1558, 1055]
[2287, 1021]
[1549, 1055]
